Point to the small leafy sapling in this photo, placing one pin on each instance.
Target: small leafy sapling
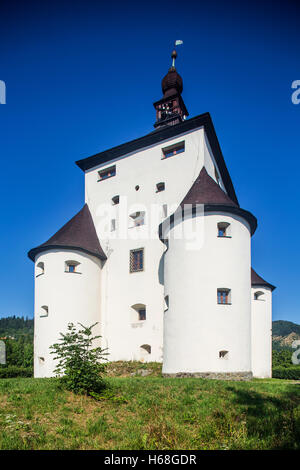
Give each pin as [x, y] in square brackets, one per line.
[80, 366]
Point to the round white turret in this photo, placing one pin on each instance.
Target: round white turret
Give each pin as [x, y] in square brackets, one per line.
[200, 335]
[261, 326]
[61, 297]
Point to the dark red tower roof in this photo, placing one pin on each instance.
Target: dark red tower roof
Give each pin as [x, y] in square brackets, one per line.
[77, 234]
[172, 83]
[206, 191]
[256, 280]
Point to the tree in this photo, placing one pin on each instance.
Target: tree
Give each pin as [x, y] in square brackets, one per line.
[80, 366]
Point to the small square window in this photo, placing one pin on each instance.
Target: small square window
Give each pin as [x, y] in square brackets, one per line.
[224, 296]
[224, 229]
[173, 150]
[107, 173]
[137, 260]
[160, 187]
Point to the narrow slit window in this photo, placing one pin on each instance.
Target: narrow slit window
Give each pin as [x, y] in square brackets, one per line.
[172, 150]
[107, 173]
[223, 296]
[142, 314]
[137, 260]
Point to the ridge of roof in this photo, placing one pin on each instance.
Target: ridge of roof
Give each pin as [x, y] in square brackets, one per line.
[78, 233]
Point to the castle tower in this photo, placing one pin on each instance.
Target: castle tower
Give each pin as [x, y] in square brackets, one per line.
[170, 109]
[261, 326]
[207, 321]
[67, 285]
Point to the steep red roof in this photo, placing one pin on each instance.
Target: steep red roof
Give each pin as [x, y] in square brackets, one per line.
[256, 280]
[79, 233]
[206, 191]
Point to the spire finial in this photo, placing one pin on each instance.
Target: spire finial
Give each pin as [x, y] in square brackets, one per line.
[178, 42]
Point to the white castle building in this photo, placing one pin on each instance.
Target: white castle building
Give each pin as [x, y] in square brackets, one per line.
[159, 256]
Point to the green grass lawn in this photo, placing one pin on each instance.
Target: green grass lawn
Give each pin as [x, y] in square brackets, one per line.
[151, 413]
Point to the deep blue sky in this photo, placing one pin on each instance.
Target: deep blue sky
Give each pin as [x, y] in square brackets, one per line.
[81, 77]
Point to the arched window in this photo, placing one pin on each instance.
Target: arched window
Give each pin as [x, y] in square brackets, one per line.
[71, 266]
[138, 313]
[259, 295]
[223, 354]
[224, 229]
[44, 311]
[40, 269]
[223, 296]
[145, 351]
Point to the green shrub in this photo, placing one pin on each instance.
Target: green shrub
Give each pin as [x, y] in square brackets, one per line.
[290, 373]
[7, 372]
[79, 365]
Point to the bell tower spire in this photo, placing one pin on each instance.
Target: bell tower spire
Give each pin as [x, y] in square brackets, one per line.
[170, 109]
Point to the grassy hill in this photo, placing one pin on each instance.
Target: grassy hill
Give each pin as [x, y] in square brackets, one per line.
[151, 413]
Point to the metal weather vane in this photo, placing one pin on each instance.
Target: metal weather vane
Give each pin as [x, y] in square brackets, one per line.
[178, 42]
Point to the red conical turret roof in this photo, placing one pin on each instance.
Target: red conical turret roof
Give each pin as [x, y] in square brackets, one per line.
[206, 191]
[77, 234]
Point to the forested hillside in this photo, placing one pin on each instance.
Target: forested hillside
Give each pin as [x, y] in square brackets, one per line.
[16, 326]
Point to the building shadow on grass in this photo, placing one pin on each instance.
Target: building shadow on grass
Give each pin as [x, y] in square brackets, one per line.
[273, 419]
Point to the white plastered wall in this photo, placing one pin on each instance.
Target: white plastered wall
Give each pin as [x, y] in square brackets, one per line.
[122, 289]
[261, 335]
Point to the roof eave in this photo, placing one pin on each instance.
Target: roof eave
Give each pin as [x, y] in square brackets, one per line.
[202, 120]
[40, 249]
